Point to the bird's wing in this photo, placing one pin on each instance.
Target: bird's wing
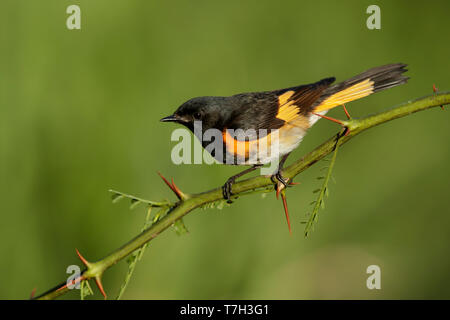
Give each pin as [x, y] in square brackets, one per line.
[273, 109]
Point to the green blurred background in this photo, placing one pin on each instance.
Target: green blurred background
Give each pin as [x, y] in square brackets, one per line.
[79, 114]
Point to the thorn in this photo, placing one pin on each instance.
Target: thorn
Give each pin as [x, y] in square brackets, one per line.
[61, 288]
[346, 112]
[346, 131]
[74, 282]
[329, 118]
[435, 90]
[165, 180]
[80, 278]
[177, 190]
[85, 262]
[33, 292]
[281, 189]
[180, 195]
[98, 281]
[283, 197]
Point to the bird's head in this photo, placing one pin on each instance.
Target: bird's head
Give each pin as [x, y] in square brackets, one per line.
[208, 110]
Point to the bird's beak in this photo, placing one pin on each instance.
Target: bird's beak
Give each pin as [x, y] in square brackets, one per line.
[172, 118]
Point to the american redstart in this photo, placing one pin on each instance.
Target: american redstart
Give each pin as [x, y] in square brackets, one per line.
[285, 114]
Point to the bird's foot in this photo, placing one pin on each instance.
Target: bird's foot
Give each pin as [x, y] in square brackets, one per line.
[226, 190]
[281, 182]
[280, 179]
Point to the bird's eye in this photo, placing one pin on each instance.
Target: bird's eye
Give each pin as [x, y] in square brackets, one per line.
[197, 115]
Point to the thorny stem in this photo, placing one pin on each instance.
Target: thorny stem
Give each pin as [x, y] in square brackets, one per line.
[191, 202]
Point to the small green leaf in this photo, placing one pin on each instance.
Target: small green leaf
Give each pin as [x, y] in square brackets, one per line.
[180, 228]
[116, 197]
[220, 205]
[134, 257]
[134, 203]
[157, 215]
[323, 191]
[85, 289]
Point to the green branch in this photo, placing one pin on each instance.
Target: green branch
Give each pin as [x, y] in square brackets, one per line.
[187, 203]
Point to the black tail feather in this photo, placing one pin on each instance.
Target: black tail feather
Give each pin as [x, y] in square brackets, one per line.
[384, 77]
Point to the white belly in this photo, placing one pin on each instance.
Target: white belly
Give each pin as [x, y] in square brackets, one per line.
[281, 142]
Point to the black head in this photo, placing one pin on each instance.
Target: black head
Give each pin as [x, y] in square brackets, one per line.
[208, 110]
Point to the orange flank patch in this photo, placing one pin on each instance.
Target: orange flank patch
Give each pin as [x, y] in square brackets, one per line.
[243, 148]
[236, 147]
[357, 91]
[273, 145]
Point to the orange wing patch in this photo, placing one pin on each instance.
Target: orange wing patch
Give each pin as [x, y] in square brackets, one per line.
[285, 97]
[287, 111]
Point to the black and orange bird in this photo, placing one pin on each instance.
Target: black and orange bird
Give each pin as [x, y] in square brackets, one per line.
[286, 114]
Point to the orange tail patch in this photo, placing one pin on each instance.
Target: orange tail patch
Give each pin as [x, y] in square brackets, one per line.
[360, 90]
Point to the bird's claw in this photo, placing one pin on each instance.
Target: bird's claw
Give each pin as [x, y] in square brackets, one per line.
[281, 182]
[226, 190]
[281, 179]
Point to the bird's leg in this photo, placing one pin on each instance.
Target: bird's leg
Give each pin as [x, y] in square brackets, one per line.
[226, 188]
[278, 175]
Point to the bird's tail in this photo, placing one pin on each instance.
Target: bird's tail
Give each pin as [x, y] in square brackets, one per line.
[362, 85]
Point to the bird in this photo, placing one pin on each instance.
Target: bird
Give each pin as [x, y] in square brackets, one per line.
[247, 126]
